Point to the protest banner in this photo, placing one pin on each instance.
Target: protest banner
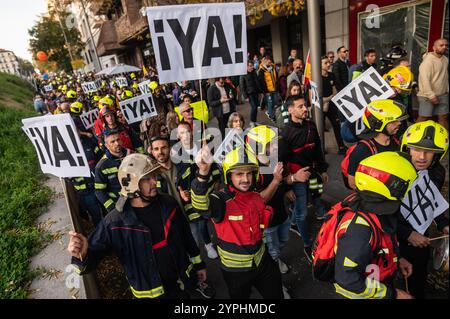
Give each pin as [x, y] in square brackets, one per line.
[88, 118]
[138, 108]
[89, 87]
[423, 203]
[57, 145]
[198, 41]
[368, 87]
[143, 87]
[121, 81]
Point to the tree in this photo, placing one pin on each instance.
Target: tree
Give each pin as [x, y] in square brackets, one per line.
[25, 66]
[47, 35]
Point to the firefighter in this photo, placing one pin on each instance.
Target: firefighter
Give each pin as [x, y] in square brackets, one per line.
[149, 234]
[367, 253]
[240, 216]
[107, 185]
[427, 143]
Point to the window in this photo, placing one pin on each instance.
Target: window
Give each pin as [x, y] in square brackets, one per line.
[405, 24]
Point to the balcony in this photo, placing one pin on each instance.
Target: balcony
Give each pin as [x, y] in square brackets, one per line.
[107, 41]
[126, 31]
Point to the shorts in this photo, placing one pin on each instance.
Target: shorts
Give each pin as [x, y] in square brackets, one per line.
[428, 109]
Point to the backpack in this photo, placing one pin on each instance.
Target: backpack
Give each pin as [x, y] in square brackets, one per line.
[344, 164]
[325, 245]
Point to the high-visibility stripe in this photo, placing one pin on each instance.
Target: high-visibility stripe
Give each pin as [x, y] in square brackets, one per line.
[196, 260]
[112, 195]
[154, 293]
[240, 217]
[374, 290]
[79, 179]
[188, 270]
[108, 203]
[349, 263]
[100, 186]
[111, 170]
[187, 173]
[361, 221]
[232, 260]
[193, 216]
[80, 187]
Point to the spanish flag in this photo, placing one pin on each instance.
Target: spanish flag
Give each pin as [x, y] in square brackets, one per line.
[307, 74]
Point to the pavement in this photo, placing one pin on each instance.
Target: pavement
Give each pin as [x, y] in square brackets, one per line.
[58, 280]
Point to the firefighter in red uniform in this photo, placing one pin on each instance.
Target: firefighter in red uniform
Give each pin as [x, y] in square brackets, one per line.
[239, 216]
[366, 249]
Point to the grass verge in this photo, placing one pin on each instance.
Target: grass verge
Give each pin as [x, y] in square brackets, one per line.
[23, 195]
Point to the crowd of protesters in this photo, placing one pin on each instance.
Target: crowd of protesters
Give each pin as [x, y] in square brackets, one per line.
[134, 174]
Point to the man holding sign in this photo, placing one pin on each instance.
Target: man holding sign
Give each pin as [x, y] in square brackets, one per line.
[427, 143]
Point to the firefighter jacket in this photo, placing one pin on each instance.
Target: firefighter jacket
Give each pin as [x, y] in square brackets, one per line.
[239, 219]
[85, 185]
[122, 232]
[107, 186]
[300, 146]
[186, 174]
[366, 255]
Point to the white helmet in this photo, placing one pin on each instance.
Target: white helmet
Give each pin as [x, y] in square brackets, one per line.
[133, 168]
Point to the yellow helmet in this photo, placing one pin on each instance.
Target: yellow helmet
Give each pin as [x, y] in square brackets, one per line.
[428, 136]
[153, 85]
[379, 113]
[105, 101]
[76, 107]
[71, 94]
[126, 95]
[133, 76]
[389, 174]
[97, 98]
[133, 168]
[259, 137]
[401, 78]
[240, 157]
[64, 89]
[135, 86]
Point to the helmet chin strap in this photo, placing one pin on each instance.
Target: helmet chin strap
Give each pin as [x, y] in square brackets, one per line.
[147, 199]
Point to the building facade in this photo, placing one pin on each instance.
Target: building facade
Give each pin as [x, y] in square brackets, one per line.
[9, 62]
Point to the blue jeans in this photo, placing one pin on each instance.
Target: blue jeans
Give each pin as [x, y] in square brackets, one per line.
[253, 99]
[199, 227]
[277, 237]
[271, 100]
[301, 211]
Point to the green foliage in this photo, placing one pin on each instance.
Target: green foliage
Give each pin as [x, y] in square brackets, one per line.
[23, 197]
[47, 36]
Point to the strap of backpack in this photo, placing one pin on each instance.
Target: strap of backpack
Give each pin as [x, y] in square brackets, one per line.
[375, 229]
[371, 145]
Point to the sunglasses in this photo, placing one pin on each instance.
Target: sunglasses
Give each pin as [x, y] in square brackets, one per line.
[188, 110]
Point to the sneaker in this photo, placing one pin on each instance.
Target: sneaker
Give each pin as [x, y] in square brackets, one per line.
[308, 253]
[211, 252]
[283, 267]
[295, 230]
[205, 290]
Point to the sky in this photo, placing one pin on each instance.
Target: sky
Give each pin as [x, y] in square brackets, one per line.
[16, 17]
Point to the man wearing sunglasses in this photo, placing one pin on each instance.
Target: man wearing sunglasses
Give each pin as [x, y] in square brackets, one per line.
[340, 68]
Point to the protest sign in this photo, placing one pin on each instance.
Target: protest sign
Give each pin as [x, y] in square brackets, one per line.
[88, 119]
[232, 140]
[121, 81]
[143, 87]
[314, 95]
[48, 88]
[138, 108]
[199, 40]
[423, 203]
[57, 144]
[89, 87]
[367, 87]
